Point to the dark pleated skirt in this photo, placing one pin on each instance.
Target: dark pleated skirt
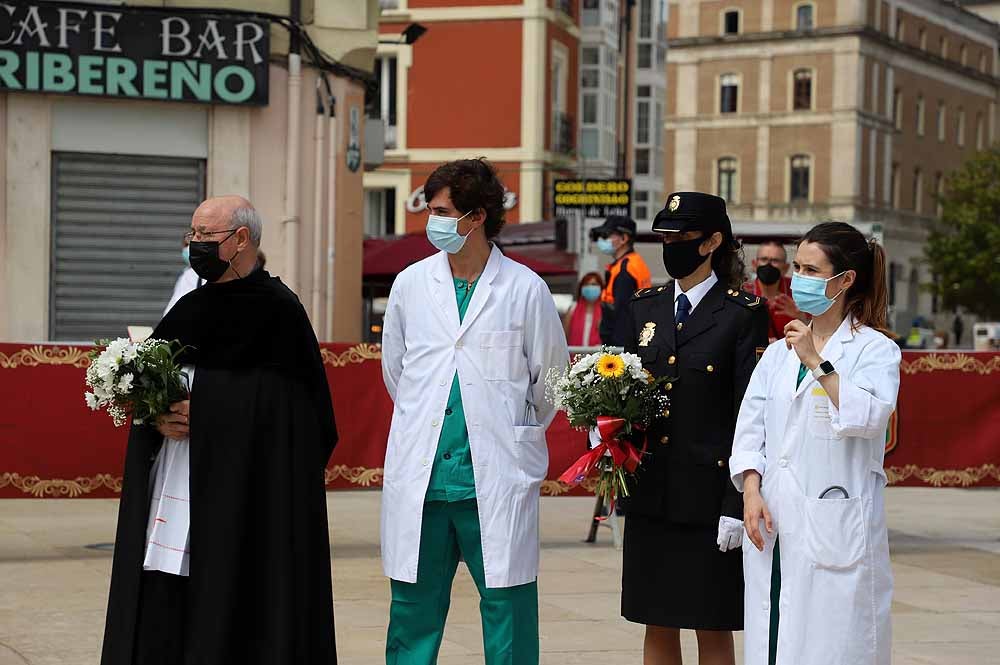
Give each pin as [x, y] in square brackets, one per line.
[674, 575]
[160, 624]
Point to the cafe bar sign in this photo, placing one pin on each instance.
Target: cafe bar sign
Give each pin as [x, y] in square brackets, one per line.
[116, 51]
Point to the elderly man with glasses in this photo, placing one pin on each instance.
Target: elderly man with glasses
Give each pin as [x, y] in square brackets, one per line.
[222, 553]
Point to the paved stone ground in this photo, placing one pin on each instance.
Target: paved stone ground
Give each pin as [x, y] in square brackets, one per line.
[945, 552]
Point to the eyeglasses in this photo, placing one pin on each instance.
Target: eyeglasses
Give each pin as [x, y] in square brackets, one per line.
[199, 236]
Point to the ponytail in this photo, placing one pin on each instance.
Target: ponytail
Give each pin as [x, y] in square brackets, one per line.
[867, 300]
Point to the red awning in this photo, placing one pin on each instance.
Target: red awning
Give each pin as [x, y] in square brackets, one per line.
[384, 258]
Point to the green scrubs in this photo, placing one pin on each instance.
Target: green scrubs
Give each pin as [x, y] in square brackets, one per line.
[450, 530]
[772, 642]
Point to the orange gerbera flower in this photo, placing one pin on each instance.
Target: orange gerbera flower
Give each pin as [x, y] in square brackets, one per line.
[610, 366]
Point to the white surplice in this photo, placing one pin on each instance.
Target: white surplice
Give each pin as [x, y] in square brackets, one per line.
[167, 533]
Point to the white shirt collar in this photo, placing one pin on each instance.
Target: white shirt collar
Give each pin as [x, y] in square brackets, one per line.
[697, 292]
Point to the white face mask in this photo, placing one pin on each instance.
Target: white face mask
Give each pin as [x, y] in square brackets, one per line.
[443, 233]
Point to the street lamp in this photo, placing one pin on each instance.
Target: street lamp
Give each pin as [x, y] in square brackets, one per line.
[411, 34]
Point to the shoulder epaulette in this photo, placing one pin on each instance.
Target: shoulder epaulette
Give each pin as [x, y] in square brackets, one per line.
[646, 293]
[744, 298]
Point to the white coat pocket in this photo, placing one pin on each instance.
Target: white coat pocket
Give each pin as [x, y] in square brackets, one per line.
[532, 452]
[834, 529]
[502, 354]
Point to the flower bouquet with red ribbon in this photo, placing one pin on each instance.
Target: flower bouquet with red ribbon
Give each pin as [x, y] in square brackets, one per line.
[615, 398]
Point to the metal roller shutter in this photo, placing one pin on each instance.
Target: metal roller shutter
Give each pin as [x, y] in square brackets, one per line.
[117, 223]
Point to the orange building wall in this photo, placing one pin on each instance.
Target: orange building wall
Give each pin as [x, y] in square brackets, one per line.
[465, 86]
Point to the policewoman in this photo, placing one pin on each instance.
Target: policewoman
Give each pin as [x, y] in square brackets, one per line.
[682, 568]
[808, 454]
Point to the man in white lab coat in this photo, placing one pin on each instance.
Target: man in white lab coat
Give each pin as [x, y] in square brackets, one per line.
[468, 338]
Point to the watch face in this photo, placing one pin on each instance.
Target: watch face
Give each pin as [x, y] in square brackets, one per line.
[826, 366]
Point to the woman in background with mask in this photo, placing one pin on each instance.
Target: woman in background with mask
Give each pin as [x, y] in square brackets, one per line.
[808, 454]
[583, 320]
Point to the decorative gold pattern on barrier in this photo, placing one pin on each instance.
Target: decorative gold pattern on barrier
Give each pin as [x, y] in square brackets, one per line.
[954, 362]
[352, 356]
[943, 477]
[46, 355]
[67, 489]
[358, 475]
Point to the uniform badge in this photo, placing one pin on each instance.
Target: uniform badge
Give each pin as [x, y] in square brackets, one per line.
[675, 203]
[760, 353]
[646, 336]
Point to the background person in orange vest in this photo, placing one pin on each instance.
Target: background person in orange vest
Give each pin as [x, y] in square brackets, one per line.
[771, 266]
[624, 276]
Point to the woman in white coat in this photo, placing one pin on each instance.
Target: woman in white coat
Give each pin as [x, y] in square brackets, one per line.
[468, 338]
[808, 453]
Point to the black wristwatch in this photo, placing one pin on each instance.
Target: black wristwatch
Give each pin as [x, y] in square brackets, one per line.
[823, 369]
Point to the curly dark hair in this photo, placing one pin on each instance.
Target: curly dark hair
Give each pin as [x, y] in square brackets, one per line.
[728, 263]
[474, 185]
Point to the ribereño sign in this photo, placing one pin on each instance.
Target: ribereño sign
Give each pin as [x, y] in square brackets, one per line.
[114, 51]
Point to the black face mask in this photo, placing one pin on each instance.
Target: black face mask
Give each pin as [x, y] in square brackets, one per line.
[768, 274]
[683, 258]
[205, 259]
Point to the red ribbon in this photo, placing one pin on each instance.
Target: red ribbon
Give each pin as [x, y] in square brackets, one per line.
[622, 452]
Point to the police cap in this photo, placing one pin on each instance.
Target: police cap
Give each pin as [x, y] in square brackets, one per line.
[694, 211]
[614, 224]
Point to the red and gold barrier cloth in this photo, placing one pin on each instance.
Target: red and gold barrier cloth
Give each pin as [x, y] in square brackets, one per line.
[946, 432]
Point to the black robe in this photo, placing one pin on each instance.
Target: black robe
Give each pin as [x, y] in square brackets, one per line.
[262, 431]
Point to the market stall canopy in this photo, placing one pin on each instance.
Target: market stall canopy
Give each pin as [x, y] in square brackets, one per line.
[384, 258]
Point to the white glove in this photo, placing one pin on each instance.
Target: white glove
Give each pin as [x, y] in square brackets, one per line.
[730, 533]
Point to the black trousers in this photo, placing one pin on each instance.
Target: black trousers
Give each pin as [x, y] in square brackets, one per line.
[160, 623]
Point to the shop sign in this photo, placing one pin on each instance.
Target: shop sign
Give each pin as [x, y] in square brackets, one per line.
[115, 51]
[596, 198]
[417, 202]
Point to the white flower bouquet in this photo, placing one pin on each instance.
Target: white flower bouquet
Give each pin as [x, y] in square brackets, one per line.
[135, 380]
[615, 398]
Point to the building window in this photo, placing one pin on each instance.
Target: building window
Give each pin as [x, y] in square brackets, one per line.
[731, 22]
[642, 122]
[918, 186]
[641, 204]
[960, 129]
[590, 143]
[804, 17]
[944, 48]
[920, 115]
[385, 77]
[897, 109]
[645, 56]
[642, 161]
[979, 131]
[726, 179]
[729, 88]
[380, 212]
[646, 19]
[941, 117]
[963, 55]
[894, 186]
[982, 62]
[591, 16]
[591, 55]
[922, 38]
[938, 192]
[802, 90]
[900, 30]
[643, 91]
[590, 109]
[798, 190]
[590, 78]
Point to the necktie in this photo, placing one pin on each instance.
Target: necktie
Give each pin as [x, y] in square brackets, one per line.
[683, 308]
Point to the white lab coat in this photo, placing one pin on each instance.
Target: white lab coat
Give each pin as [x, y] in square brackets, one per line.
[509, 339]
[836, 580]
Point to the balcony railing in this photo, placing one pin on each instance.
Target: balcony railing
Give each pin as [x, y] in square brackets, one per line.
[562, 134]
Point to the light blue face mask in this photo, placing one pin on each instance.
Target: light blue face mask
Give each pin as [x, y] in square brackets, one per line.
[186, 255]
[809, 293]
[591, 292]
[443, 233]
[604, 246]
